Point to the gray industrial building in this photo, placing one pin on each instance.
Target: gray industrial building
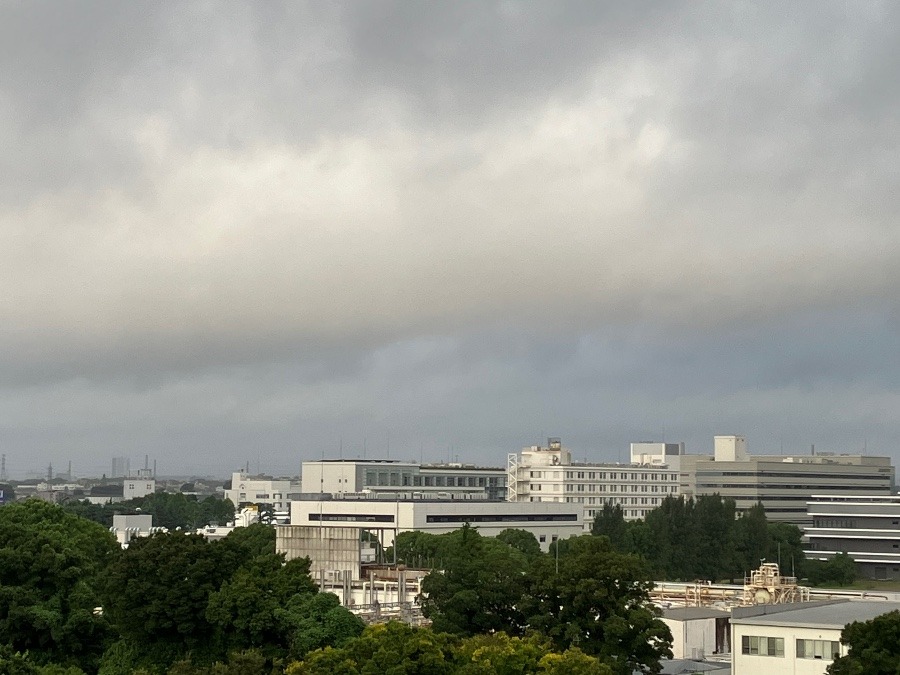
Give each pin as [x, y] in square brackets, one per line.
[865, 527]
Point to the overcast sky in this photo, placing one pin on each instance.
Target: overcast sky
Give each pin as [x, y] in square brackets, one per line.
[258, 232]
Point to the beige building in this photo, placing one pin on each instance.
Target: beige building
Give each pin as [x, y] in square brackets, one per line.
[381, 476]
[783, 484]
[249, 489]
[548, 474]
[388, 517]
[795, 639]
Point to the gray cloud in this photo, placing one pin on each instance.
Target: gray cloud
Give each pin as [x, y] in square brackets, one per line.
[300, 221]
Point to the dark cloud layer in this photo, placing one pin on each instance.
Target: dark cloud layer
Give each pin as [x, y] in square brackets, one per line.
[248, 231]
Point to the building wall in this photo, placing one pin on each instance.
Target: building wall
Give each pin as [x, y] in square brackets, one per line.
[333, 551]
[246, 489]
[785, 484]
[355, 476]
[547, 475]
[789, 664]
[692, 639]
[386, 518]
[865, 527]
[135, 488]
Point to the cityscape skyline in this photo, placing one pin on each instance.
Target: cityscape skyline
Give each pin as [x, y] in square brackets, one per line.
[264, 233]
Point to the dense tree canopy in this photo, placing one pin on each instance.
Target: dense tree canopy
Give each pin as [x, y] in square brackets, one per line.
[50, 563]
[874, 647]
[479, 588]
[172, 511]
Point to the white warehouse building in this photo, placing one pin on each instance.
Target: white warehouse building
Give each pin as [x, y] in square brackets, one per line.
[388, 517]
[548, 475]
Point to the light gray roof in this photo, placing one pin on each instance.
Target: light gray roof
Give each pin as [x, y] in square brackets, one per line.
[835, 615]
[691, 613]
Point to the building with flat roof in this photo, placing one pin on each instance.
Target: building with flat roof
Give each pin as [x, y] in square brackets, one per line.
[796, 639]
[548, 475]
[782, 483]
[865, 527]
[455, 480]
[249, 489]
[388, 517]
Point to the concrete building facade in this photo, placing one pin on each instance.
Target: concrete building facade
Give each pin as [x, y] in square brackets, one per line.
[249, 489]
[388, 517]
[795, 639]
[865, 527]
[548, 475]
[349, 476]
[783, 484]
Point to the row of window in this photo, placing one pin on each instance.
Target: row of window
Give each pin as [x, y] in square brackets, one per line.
[555, 487]
[398, 479]
[758, 645]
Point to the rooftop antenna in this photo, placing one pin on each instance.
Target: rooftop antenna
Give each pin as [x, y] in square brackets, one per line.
[154, 468]
[364, 447]
[340, 447]
[389, 444]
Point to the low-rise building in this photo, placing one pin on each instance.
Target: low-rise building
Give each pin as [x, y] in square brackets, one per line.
[387, 517]
[698, 632]
[795, 639]
[865, 527]
[249, 489]
[548, 475]
[454, 480]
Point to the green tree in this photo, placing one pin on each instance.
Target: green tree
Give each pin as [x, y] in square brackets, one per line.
[156, 593]
[243, 610]
[839, 570]
[521, 540]
[874, 647]
[752, 540]
[390, 648]
[786, 548]
[311, 622]
[598, 600]
[610, 522]
[50, 565]
[479, 588]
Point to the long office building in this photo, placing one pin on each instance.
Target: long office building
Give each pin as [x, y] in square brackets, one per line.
[387, 517]
[548, 474]
[445, 481]
[865, 527]
[783, 484]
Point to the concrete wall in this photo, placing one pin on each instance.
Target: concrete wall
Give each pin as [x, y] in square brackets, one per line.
[789, 664]
[332, 550]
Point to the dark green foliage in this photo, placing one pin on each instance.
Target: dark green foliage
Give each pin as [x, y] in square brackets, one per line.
[50, 563]
[597, 599]
[839, 570]
[172, 511]
[156, 593]
[687, 539]
[610, 522]
[479, 588]
[874, 647]
[521, 540]
[312, 622]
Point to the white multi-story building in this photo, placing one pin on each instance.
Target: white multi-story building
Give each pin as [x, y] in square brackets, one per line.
[350, 476]
[247, 489]
[547, 474]
[795, 638]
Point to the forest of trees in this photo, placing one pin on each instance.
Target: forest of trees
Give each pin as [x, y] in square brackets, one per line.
[73, 602]
[172, 511]
[703, 538]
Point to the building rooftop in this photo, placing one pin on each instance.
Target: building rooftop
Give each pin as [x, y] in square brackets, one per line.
[818, 614]
[691, 613]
